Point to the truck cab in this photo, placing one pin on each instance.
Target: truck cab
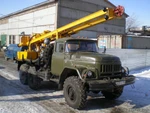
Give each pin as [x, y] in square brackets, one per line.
[79, 58]
[84, 59]
[67, 52]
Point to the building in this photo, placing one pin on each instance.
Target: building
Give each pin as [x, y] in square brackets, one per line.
[124, 42]
[110, 41]
[52, 14]
[136, 42]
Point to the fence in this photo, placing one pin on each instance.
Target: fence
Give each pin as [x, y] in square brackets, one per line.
[132, 58]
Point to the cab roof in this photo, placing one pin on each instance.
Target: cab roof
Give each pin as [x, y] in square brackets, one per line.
[71, 38]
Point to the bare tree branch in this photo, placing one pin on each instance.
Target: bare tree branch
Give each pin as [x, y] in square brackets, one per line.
[132, 21]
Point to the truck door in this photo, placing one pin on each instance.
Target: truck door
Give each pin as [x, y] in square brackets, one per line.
[58, 59]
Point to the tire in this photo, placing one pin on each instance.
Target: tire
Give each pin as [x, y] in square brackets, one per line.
[47, 55]
[23, 74]
[75, 92]
[34, 82]
[113, 95]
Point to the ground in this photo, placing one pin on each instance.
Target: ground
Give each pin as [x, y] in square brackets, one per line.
[18, 98]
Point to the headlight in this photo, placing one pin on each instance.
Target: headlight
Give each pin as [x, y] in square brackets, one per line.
[125, 70]
[89, 73]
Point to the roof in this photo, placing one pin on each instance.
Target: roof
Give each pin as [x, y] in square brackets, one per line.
[41, 4]
[29, 8]
[140, 36]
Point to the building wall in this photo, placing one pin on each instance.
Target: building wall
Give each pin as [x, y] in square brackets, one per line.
[71, 10]
[136, 42]
[44, 17]
[32, 21]
[110, 41]
[122, 41]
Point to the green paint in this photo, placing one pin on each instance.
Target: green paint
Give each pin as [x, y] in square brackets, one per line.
[3, 39]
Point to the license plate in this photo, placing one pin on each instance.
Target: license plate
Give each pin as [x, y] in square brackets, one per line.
[120, 83]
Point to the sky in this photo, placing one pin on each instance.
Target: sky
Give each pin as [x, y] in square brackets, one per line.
[10, 6]
[138, 8]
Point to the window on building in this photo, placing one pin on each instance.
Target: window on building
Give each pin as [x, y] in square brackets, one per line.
[9, 39]
[13, 39]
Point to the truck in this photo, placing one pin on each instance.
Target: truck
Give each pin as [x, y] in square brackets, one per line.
[10, 52]
[74, 63]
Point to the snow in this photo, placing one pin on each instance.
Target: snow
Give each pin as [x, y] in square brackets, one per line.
[138, 94]
[14, 96]
[142, 83]
[143, 72]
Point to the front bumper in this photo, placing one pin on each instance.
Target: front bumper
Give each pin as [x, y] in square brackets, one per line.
[100, 85]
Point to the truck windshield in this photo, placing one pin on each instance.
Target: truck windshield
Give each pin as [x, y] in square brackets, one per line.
[81, 46]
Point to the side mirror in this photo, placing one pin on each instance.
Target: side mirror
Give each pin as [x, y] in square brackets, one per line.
[104, 49]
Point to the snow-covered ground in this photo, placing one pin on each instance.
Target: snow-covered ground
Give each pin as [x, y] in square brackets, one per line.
[138, 94]
[17, 98]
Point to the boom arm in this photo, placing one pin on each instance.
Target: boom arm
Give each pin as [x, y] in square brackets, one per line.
[67, 30]
[76, 26]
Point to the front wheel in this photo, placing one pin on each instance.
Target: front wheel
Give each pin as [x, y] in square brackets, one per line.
[116, 93]
[75, 92]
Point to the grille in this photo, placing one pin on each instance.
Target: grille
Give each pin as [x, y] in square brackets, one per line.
[107, 68]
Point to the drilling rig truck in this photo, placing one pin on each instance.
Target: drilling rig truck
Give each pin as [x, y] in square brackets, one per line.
[75, 63]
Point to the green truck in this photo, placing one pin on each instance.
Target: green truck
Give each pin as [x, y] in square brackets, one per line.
[78, 67]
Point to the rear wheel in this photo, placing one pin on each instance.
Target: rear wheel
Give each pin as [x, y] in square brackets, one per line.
[75, 92]
[116, 93]
[34, 82]
[23, 74]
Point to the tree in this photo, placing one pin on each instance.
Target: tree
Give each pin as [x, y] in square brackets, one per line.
[131, 21]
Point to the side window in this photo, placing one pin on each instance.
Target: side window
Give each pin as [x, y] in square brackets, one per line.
[60, 47]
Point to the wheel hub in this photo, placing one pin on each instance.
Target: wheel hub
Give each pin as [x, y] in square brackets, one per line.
[71, 94]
